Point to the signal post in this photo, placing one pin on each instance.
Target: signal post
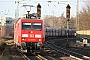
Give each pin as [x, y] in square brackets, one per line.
[67, 18]
[38, 11]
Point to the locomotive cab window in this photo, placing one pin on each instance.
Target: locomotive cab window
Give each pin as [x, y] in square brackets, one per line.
[36, 26]
[31, 26]
[26, 26]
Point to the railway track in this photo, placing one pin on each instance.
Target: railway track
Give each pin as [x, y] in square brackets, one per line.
[75, 47]
[14, 53]
[22, 54]
[41, 57]
[17, 54]
[67, 52]
[34, 54]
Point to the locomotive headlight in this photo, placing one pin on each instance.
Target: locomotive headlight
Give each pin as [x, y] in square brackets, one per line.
[23, 39]
[39, 39]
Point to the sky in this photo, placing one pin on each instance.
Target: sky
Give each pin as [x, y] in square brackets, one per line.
[56, 7]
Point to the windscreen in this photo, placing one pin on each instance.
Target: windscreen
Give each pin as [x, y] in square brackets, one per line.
[26, 26]
[31, 26]
[36, 26]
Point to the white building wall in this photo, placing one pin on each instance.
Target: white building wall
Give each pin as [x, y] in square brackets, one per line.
[2, 21]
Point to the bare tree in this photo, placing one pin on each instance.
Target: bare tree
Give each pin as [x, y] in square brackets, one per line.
[50, 20]
[59, 22]
[84, 17]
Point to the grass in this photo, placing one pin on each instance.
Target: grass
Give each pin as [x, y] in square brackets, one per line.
[1, 41]
[4, 45]
[5, 57]
[6, 53]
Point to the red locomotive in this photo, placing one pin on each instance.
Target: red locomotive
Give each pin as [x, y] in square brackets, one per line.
[29, 33]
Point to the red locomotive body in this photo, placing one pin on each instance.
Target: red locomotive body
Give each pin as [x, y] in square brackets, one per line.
[29, 33]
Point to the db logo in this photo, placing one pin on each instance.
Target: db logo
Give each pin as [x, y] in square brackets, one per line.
[31, 31]
[31, 35]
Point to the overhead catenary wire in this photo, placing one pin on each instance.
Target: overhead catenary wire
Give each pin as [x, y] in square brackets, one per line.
[42, 1]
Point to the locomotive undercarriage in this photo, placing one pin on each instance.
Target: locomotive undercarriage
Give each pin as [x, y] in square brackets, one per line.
[31, 46]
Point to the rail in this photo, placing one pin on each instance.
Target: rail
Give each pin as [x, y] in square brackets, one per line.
[67, 52]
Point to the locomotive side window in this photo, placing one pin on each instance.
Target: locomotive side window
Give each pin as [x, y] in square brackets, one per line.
[26, 26]
[36, 26]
